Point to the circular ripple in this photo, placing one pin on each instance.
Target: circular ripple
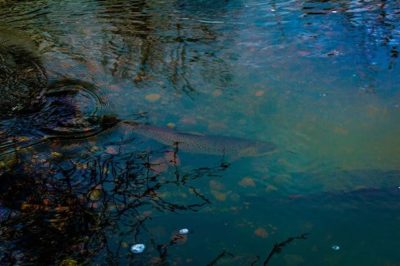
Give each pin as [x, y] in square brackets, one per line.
[73, 109]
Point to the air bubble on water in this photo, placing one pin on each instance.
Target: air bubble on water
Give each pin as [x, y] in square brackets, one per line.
[138, 248]
[184, 231]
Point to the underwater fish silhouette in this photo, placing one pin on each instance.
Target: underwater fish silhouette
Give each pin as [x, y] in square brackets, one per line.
[231, 147]
[205, 144]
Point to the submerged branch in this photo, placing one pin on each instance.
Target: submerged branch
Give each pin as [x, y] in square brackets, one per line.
[277, 248]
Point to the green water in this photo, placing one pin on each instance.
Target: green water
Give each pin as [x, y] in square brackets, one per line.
[318, 79]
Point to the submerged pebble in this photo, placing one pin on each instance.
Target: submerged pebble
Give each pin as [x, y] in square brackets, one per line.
[138, 248]
[259, 93]
[171, 125]
[153, 97]
[261, 232]
[247, 182]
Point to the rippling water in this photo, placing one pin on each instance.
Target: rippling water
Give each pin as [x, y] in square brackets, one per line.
[318, 79]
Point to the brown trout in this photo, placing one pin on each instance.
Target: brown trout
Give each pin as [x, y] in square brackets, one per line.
[205, 144]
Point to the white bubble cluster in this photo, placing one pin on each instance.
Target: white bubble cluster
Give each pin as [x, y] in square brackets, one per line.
[138, 248]
[184, 231]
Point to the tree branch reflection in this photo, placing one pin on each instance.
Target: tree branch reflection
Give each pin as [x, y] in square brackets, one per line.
[70, 209]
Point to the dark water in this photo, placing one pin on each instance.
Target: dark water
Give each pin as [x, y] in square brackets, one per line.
[317, 79]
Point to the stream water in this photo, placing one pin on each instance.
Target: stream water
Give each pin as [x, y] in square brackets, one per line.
[316, 80]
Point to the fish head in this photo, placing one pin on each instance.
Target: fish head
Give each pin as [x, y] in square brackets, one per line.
[256, 148]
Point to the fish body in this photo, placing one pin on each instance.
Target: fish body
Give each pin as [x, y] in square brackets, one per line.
[206, 144]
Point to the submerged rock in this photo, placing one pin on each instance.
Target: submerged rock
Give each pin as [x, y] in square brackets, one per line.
[23, 79]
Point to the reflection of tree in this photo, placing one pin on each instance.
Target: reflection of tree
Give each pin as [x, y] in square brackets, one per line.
[377, 22]
[158, 43]
[147, 45]
[58, 209]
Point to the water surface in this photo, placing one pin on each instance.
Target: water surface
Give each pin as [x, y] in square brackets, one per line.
[318, 79]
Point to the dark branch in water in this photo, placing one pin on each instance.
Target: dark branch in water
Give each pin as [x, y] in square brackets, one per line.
[254, 262]
[69, 208]
[277, 248]
[219, 257]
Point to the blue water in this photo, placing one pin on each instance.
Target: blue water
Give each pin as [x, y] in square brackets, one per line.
[319, 79]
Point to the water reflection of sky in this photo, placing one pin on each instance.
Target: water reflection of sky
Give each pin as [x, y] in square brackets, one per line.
[317, 78]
